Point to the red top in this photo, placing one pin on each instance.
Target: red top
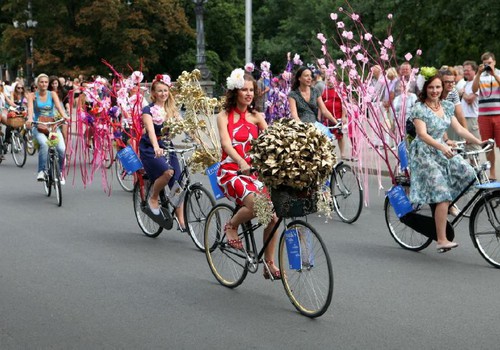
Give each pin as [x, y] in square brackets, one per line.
[332, 102]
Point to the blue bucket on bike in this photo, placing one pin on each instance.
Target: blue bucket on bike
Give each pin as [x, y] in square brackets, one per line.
[399, 201]
[129, 159]
[212, 176]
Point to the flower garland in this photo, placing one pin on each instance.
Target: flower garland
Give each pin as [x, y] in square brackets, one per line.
[158, 114]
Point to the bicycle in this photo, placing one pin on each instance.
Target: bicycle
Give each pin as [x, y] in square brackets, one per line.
[53, 175]
[15, 121]
[30, 144]
[305, 267]
[125, 178]
[346, 189]
[484, 219]
[197, 203]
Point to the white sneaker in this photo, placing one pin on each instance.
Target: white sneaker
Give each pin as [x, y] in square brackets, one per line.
[63, 180]
[41, 176]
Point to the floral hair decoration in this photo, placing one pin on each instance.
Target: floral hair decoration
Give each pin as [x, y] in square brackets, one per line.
[236, 80]
[164, 78]
[425, 74]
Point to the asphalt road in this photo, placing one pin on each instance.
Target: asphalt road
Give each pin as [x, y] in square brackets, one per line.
[84, 277]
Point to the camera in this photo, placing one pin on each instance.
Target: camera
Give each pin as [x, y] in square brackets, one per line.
[487, 68]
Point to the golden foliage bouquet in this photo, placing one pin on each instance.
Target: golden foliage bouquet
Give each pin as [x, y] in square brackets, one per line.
[198, 121]
[293, 154]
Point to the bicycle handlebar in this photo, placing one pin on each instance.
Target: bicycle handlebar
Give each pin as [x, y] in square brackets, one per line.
[485, 147]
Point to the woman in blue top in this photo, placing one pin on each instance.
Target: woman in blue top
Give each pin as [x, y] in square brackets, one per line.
[161, 170]
[41, 104]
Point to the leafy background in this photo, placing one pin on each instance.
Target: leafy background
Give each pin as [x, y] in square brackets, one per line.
[159, 36]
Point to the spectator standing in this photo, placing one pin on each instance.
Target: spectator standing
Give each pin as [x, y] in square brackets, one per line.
[470, 102]
[451, 94]
[487, 82]
[459, 79]
[405, 81]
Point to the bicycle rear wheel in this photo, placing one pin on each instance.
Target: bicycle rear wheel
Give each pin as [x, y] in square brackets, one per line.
[308, 285]
[347, 193]
[197, 204]
[228, 265]
[405, 236]
[147, 225]
[484, 227]
[47, 184]
[125, 179]
[18, 149]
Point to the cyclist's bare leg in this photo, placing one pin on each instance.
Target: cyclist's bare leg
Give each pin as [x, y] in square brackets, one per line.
[441, 217]
[271, 247]
[159, 184]
[179, 214]
[490, 156]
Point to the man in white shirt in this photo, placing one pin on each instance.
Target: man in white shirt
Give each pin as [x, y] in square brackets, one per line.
[470, 102]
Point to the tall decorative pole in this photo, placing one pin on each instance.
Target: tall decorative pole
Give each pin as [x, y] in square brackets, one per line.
[248, 31]
[201, 59]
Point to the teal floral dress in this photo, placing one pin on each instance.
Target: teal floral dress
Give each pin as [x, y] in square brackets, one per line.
[435, 178]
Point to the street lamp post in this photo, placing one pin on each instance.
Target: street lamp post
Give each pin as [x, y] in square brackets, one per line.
[29, 24]
[201, 58]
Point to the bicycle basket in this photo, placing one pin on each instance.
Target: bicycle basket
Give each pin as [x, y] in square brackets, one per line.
[15, 122]
[291, 202]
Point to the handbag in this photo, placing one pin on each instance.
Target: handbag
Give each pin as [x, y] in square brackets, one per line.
[43, 128]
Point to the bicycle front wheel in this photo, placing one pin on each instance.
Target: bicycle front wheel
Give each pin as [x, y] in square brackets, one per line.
[18, 149]
[306, 273]
[484, 227]
[30, 145]
[405, 236]
[197, 204]
[147, 225]
[228, 265]
[125, 179]
[347, 193]
[56, 176]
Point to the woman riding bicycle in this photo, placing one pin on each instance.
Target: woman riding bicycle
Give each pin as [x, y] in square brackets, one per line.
[41, 104]
[437, 175]
[161, 171]
[238, 124]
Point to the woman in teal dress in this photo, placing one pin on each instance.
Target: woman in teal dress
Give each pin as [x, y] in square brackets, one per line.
[437, 175]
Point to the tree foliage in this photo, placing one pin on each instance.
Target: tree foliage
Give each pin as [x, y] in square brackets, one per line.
[74, 36]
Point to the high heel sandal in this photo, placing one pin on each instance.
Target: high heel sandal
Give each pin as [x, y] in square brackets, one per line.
[267, 271]
[233, 243]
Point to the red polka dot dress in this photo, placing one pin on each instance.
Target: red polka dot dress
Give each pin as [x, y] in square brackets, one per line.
[237, 187]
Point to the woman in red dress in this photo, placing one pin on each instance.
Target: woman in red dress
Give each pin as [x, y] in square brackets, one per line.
[238, 125]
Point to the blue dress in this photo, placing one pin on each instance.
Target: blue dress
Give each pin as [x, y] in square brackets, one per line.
[435, 178]
[155, 167]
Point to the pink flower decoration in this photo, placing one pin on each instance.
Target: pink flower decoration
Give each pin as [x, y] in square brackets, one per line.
[347, 35]
[389, 16]
[384, 57]
[359, 56]
[419, 52]
[296, 60]
[355, 17]
[333, 16]
[249, 67]
[387, 43]
[321, 61]
[341, 9]
[408, 56]
[368, 36]
[137, 77]
[340, 25]
[323, 49]
[321, 38]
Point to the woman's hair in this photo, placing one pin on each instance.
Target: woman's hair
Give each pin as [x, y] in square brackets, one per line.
[53, 78]
[169, 103]
[43, 75]
[298, 74]
[18, 95]
[392, 73]
[232, 95]
[423, 94]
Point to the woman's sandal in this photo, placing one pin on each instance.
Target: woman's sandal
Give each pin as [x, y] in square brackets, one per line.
[233, 243]
[267, 271]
